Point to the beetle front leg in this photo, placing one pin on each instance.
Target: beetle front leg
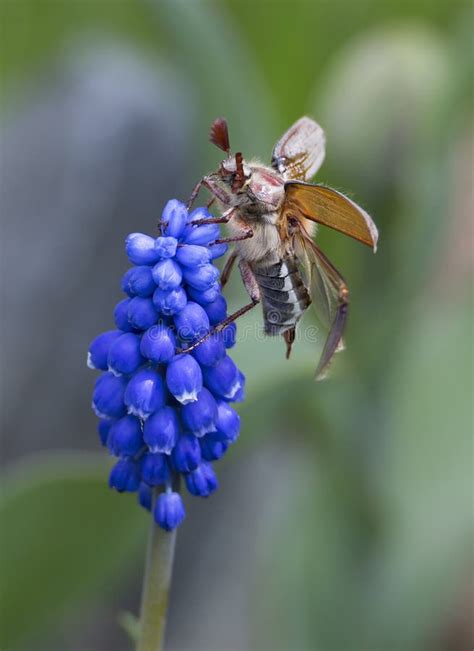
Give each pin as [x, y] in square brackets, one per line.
[211, 183]
[194, 193]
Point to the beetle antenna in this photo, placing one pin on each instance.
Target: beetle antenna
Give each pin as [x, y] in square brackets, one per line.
[219, 134]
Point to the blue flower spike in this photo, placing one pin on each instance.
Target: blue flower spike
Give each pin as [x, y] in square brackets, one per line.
[165, 412]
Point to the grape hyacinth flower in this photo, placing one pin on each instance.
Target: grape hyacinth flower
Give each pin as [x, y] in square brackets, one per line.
[165, 412]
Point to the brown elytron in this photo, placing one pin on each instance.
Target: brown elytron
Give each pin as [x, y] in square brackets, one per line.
[271, 213]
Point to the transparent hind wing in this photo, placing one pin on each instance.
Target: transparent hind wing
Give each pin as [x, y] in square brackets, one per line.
[329, 295]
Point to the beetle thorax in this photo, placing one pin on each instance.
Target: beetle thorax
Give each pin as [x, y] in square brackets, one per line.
[265, 189]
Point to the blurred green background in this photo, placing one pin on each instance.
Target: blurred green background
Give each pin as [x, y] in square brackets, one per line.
[344, 517]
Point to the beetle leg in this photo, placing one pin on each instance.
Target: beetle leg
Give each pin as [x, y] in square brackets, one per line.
[194, 193]
[247, 232]
[249, 280]
[229, 265]
[253, 290]
[220, 326]
[289, 337]
[223, 219]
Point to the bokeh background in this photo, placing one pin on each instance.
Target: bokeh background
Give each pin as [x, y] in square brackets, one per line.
[344, 516]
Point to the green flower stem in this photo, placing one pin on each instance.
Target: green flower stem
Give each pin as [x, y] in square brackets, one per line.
[156, 586]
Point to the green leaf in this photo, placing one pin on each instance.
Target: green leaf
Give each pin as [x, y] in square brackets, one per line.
[64, 534]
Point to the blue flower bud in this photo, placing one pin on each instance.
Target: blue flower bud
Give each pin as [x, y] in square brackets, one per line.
[124, 354]
[169, 510]
[121, 316]
[155, 469]
[201, 235]
[206, 296]
[145, 496]
[125, 476]
[223, 379]
[192, 255]
[212, 448]
[161, 430]
[99, 349]
[218, 250]
[158, 344]
[125, 437]
[140, 249]
[198, 214]
[103, 428]
[167, 274]
[186, 455]
[175, 216]
[202, 481]
[229, 335]
[145, 393]
[192, 322]
[138, 281]
[107, 400]
[200, 416]
[201, 278]
[210, 351]
[184, 378]
[166, 247]
[228, 422]
[171, 301]
[217, 310]
[141, 313]
[240, 395]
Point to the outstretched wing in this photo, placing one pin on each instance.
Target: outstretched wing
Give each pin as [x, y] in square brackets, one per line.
[300, 151]
[331, 208]
[329, 295]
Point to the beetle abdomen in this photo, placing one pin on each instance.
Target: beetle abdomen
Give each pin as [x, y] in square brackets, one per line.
[283, 294]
